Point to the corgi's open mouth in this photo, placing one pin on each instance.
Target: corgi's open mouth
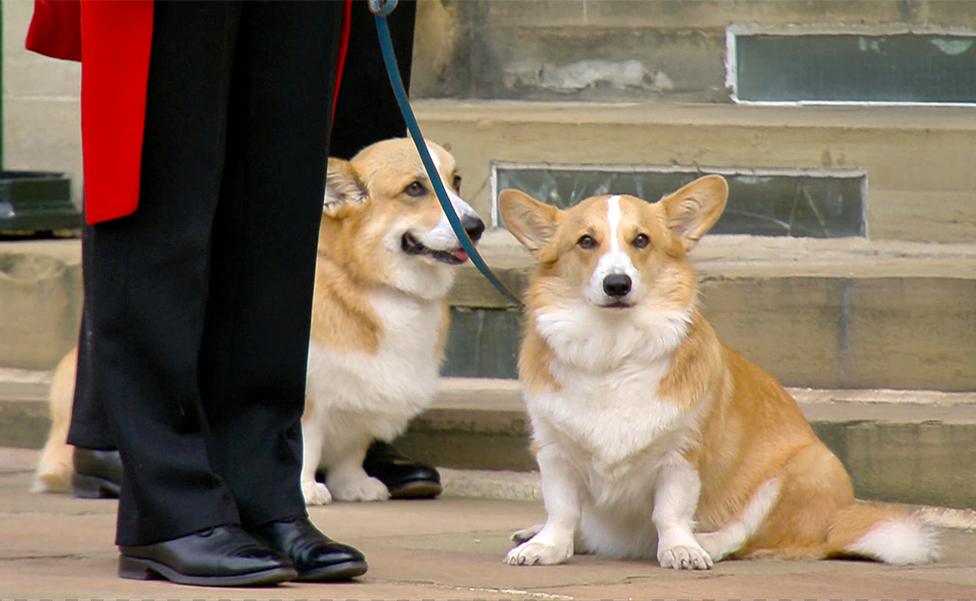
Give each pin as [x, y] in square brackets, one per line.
[412, 246]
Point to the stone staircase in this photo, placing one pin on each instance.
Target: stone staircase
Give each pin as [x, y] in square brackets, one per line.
[875, 335]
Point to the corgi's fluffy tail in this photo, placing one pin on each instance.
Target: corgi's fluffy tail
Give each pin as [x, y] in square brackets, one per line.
[56, 464]
[882, 533]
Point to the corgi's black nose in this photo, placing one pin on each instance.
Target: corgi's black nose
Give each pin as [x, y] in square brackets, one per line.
[473, 226]
[617, 285]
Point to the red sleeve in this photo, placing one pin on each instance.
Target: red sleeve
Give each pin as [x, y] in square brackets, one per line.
[117, 39]
[55, 29]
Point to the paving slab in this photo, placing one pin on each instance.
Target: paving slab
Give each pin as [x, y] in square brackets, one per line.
[58, 547]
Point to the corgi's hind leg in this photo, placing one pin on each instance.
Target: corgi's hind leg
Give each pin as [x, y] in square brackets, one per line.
[526, 534]
[722, 543]
[815, 486]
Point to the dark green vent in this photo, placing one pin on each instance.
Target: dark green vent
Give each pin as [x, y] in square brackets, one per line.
[903, 68]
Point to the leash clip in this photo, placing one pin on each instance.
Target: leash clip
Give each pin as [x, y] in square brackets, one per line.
[382, 8]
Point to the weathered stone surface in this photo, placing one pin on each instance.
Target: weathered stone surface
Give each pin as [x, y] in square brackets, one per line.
[59, 547]
[41, 104]
[516, 49]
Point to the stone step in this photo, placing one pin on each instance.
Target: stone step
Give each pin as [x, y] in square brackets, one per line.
[841, 313]
[905, 446]
[920, 170]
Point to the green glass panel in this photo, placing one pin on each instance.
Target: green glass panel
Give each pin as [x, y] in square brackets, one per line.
[764, 205]
[856, 68]
[482, 343]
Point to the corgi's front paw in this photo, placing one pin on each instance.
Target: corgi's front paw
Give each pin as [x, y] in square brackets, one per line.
[359, 489]
[535, 553]
[684, 557]
[315, 493]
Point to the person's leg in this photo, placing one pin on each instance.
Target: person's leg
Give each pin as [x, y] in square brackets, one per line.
[89, 429]
[366, 111]
[146, 285]
[97, 469]
[255, 344]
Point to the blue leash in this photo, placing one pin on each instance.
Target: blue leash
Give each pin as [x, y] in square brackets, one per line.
[380, 10]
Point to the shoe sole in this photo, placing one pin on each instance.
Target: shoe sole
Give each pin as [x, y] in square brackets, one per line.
[422, 489]
[135, 568]
[333, 573]
[93, 487]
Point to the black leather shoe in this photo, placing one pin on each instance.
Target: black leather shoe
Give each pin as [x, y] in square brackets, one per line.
[98, 474]
[315, 555]
[220, 556]
[404, 477]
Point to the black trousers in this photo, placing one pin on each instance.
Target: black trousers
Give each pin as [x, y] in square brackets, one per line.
[366, 110]
[197, 307]
[365, 113]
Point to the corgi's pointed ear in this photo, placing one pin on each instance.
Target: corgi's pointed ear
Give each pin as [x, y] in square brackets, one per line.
[344, 190]
[532, 222]
[695, 208]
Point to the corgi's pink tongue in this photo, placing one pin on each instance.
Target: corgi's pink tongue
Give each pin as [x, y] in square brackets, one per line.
[460, 254]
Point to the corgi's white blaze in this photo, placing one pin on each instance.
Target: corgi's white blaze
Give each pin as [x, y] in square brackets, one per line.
[613, 219]
[615, 261]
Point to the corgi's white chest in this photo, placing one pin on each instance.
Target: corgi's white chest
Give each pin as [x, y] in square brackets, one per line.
[400, 378]
[608, 419]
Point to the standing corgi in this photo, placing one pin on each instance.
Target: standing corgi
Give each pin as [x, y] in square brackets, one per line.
[653, 438]
[387, 259]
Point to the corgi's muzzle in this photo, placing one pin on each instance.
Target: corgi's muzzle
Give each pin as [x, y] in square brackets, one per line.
[473, 226]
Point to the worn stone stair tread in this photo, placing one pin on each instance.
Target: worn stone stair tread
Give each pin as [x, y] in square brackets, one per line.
[738, 256]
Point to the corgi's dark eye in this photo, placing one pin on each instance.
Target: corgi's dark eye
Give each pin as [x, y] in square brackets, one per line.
[457, 183]
[415, 189]
[641, 241]
[586, 241]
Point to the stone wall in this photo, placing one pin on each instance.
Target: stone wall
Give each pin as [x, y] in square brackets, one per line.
[41, 108]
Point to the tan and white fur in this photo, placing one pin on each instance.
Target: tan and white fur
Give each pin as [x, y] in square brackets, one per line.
[56, 463]
[655, 440]
[380, 316]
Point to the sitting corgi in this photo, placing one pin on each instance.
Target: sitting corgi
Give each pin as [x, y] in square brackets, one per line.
[387, 259]
[653, 438]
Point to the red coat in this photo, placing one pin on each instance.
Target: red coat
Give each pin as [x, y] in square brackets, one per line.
[115, 38]
[112, 39]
